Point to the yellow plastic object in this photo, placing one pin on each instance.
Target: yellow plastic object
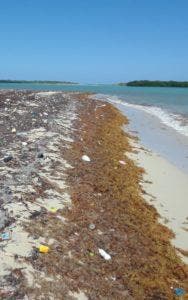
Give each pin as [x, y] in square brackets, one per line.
[53, 209]
[44, 249]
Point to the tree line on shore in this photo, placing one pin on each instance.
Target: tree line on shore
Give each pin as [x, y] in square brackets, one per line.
[36, 81]
[155, 83]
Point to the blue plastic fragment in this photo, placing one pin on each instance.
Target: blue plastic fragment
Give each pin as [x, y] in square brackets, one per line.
[5, 236]
[179, 291]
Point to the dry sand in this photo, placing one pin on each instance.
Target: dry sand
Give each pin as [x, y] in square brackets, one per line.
[168, 192]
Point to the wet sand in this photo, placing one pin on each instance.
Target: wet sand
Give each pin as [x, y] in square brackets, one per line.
[158, 137]
[165, 162]
[167, 190]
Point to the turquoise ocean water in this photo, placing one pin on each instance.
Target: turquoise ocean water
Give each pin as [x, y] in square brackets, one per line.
[170, 105]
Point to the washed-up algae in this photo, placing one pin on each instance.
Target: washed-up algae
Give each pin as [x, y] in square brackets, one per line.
[143, 264]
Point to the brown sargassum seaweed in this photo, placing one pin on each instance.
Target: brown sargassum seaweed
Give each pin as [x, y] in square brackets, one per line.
[144, 264]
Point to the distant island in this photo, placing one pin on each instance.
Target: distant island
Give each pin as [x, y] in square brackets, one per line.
[36, 81]
[155, 83]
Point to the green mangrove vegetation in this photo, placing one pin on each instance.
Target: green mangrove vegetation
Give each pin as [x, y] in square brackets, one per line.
[155, 83]
[36, 81]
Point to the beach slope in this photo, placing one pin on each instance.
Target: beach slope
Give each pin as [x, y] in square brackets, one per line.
[76, 223]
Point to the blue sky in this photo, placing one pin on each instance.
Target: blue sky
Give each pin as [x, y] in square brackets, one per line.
[94, 40]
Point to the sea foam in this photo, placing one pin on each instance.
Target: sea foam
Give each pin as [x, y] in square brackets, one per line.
[175, 121]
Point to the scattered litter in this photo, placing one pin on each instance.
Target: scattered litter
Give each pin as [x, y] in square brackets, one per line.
[7, 158]
[104, 254]
[61, 218]
[34, 254]
[5, 236]
[4, 219]
[24, 144]
[122, 162]
[35, 214]
[179, 291]
[113, 278]
[38, 213]
[92, 226]
[91, 254]
[8, 190]
[13, 130]
[44, 249]
[12, 226]
[40, 155]
[86, 158]
[53, 209]
[99, 232]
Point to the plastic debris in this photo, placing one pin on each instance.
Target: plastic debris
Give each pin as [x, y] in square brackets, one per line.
[122, 162]
[7, 158]
[40, 155]
[34, 114]
[38, 213]
[43, 249]
[86, 158]
[99, 232]
[35, 214]
[179, 291]
[13, 130]
[34, 254]
[91, 254]
[24, 144]
[92, 226]
[53, 209]
[5, 236]
[104, 254]
[8, 190]
[61, 218]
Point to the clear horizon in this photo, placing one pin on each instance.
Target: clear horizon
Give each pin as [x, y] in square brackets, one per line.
[94, 42]
[84, 83]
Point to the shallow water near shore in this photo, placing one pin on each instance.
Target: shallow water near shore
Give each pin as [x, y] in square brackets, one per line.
[158, 137]
[153, 133]
[170, 105]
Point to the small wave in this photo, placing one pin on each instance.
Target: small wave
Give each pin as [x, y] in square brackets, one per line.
[175, 121]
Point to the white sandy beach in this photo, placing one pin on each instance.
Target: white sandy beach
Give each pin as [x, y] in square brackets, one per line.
[168, 192]
[165, 162]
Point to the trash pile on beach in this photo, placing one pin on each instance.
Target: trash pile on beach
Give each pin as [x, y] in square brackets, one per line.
[73, 221]
[35, 129]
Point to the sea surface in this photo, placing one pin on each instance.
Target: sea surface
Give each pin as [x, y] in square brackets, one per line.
[158, 115]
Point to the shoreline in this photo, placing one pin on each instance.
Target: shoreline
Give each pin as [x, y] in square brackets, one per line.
[166, 188]
[70, 187]
[157, 137]
[166, 177]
